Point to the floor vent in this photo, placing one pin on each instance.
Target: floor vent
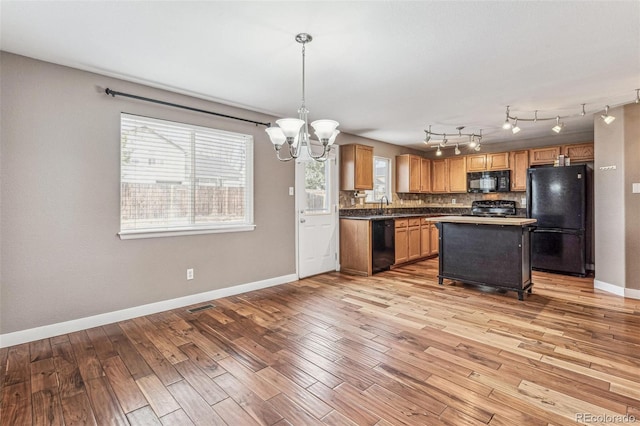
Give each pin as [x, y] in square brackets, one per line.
[200, 308]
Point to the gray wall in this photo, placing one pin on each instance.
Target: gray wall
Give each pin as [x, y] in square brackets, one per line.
[617, 237]
[632, 201]
[60, 257]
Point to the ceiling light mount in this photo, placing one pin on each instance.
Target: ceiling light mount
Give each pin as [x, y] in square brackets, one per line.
[294, 132]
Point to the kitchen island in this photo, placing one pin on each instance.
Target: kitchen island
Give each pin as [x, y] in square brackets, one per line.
[488, 251]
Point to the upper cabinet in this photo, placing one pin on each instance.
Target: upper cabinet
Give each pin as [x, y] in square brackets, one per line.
[425, 175]
[439, 176]
[413, 174]
[356, 167]
[544, 155]
[457, 174]
[581, 152]
[498, 161]
[519, 164]
[492, 161]
[477, 163]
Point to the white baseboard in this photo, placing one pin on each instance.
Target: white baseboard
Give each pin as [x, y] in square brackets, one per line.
[46, 331]
[631, 293]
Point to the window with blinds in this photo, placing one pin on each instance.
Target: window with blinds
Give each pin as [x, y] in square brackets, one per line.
[180, 179]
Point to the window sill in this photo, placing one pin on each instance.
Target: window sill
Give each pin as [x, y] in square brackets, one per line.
[178, 232]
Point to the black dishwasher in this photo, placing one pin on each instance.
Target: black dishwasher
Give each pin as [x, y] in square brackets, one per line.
[383, 248]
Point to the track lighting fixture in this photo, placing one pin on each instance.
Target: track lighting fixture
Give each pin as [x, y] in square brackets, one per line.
[559, 126]
[441, 139]
[515, 129]
[606, 117]
[477, 148]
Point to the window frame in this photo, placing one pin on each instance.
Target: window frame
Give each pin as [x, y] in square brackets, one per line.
[193, 228]
[370, 198]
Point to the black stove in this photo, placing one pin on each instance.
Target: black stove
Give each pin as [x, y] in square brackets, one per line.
[493, 208]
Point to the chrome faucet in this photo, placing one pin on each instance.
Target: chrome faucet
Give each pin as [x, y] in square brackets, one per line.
[383, 198]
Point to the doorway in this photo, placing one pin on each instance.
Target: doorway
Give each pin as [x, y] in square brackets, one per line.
[316, 215]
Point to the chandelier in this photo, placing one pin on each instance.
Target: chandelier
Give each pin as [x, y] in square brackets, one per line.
[294, 132]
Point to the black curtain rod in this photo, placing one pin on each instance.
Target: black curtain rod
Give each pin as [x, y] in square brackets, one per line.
[113, 93]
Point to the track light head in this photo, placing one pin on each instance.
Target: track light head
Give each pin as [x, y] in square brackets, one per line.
[606, 117]
[559, 126]
[638, 96]
[477, 148]
[457, 150]
[507, 124]
[515, 128]
[438, 152]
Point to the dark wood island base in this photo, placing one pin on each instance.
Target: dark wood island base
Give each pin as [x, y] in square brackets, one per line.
[494, 252]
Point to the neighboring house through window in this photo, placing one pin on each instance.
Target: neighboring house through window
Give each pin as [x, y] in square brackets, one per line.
[381, 180]
[180, 179]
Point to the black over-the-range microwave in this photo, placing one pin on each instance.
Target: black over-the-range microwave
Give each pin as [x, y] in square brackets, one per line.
[493, 181]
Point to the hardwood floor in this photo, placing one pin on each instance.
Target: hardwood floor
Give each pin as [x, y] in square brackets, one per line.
[335, 349]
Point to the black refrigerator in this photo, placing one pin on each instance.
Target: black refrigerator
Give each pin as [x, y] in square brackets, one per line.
[557, 198]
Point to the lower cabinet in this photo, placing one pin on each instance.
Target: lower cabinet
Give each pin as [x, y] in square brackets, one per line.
[434, 239]
[402, 241]
[414, 238]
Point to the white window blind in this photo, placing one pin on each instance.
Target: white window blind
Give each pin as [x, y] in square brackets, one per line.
[179, 179]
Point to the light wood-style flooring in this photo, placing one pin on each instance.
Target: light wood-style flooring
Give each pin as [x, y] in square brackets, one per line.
[335, 349]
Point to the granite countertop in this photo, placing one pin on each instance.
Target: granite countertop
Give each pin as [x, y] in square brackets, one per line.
[389, 216]
[479, 220]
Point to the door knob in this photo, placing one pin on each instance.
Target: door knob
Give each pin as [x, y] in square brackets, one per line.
[303, 220]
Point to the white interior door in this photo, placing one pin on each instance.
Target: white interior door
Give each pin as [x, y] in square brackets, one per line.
[317, 216]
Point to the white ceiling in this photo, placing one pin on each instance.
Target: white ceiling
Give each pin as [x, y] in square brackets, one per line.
[384, 69]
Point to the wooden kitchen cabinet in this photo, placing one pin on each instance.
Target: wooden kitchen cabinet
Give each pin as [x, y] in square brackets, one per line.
[355, 247]
[544, 155]
[413, 237]
[401, 241]
[579, 153]
[356, 167]
[439, 176]
[425, 237]
[498, 161]
[413, 174]
[434, 244]
[425, 175]
[519, 166]
[457, 169]
[477, 163]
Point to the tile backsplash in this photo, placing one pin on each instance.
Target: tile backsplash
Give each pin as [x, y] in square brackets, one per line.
[348, 200]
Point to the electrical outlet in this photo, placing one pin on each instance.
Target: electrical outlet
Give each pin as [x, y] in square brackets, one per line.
[523, 202]
[190, 273]
[291, 190]
[453, 201]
